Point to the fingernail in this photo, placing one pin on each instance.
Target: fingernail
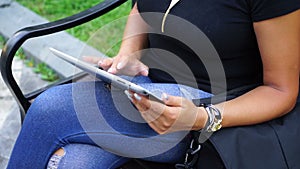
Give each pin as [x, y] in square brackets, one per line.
[127, 93]
[130, 98]
[120, 65]
[137, 97]
[111, 70]
[100, 62]
[145, 72]
[165, 96]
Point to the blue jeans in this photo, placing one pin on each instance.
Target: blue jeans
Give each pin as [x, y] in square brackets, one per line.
[98, 127]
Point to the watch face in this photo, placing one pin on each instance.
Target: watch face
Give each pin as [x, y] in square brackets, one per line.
[217, 126]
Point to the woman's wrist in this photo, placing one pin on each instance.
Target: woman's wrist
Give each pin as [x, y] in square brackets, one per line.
[201, 120]
[209, 119]
[132, 53]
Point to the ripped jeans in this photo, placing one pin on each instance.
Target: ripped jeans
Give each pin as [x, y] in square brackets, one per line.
[98, 127]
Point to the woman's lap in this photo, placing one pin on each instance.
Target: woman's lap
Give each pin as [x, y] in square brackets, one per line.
[88, 113]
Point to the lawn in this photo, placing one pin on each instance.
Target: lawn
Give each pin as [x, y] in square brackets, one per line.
[57, 9]
[2, 41]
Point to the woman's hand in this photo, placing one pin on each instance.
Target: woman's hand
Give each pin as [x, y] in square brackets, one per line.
[121, 64]
[124, 65]
[177, 114]
[134, 40]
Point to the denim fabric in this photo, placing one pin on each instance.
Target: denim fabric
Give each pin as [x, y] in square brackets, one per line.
[93, 116]
[54, 161]
[87, 156]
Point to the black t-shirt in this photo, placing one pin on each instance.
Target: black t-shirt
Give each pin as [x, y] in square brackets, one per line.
[228, 24]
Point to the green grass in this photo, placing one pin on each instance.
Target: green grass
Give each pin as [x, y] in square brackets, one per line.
[57, 9]
[2, 41]
[46, 73]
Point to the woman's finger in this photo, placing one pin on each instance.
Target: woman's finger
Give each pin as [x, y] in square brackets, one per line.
[153, 109]
[172, 100]
[105, 63]
[91, 59]
[140, 102]
[143, 70]
[118, 62]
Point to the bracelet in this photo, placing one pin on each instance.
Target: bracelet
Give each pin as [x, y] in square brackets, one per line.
[214, 119]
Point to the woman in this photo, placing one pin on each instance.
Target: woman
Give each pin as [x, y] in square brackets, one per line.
[258, 43]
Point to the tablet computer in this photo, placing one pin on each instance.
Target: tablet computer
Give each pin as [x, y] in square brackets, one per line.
[109, 78]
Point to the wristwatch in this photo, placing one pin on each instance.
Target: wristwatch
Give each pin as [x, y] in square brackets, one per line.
[214, 120]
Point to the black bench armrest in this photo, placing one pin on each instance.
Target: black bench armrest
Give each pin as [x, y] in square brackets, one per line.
[15, 42]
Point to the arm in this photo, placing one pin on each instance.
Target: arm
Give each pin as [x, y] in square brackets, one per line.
[135, 37]
[279, 43]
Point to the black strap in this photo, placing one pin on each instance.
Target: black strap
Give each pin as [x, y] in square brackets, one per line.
[192, 154]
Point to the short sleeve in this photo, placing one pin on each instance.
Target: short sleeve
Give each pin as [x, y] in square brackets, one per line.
[267, 9]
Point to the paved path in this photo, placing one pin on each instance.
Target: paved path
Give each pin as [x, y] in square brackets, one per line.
[9, 122]
[9, 112]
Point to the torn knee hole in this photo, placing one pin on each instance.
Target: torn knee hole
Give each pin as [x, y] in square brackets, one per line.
[55, 159]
